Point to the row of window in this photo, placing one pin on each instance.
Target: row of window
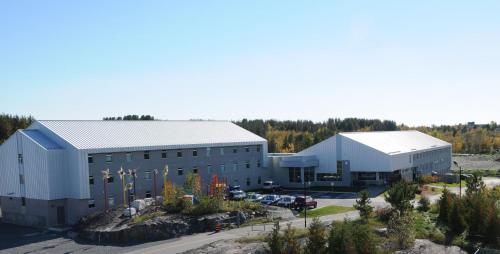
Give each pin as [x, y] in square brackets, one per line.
[111, 200]
[180, 171]
[180, 154]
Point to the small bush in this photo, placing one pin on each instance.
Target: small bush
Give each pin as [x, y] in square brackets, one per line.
[424, 204]
[275, 240]
[426, 179]
[383, 214]
[401, 230]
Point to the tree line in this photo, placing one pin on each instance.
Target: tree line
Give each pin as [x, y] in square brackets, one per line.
[294, 136]
[10, 123]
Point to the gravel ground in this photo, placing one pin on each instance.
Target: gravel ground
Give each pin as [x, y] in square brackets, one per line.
[487, 162]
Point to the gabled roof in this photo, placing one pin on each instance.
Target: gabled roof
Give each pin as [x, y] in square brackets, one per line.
[395, 142]
[123, 134]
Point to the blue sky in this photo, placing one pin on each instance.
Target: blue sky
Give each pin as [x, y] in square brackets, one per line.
[415, 62]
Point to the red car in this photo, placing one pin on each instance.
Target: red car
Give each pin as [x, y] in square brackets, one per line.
[301, 202]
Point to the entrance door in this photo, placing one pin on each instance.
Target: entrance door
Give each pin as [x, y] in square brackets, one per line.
[61, 217]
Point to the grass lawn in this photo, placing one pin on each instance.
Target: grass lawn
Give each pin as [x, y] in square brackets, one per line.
[442, 184]
[327, 210]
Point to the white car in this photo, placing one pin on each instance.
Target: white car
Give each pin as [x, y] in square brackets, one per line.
[271, 185]
[286, 201]
[237, 194]
[254, 197]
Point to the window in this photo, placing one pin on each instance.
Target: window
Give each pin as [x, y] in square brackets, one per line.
[235, 150]
[20, 158]
[259, 180]
[309, 174]
[111, 178]
[209, 151]
[258, 164]
[195, 153]
[21, 178]
[129, 157]
[91, 203]
[179, 154]
[180, 171]
[258, 148]
[23, 201]
[146, 155]
[367, 176]
[235, 166]
[247, 164]
[109, 158]
[294, 175]
[91, 180]
[248, 181]
[164, 154]
[222, 168]
[90, 159]
[111, 202]
[148, 194]
[195, 170]
[209, 168]
[147, 175]
[221, 151]
[247, 149]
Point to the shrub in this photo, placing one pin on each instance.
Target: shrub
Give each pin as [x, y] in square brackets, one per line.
[444, 205]
[384, 214]
[340, 239]
[424, 204]
[456, 218]
[316, 239]
[351, 238]
[426, 179]
[291, 244]
[275, 240]
[401, 230]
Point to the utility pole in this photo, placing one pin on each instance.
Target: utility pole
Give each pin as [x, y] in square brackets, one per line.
[305, 203]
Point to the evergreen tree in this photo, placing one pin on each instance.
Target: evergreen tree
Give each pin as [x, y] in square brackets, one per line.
[363, 205]
[400, 195]
[444, 204]
[316, 239]
[340, 239]
[456, 220]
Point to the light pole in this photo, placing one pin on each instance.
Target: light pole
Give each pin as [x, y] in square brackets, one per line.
[155, 172]
[459, 177]
[129, 187]
[305, 202]
[133, 174]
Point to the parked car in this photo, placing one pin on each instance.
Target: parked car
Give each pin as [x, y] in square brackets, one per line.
[234, 187]
[271, 186]
[286, 201]
[270, 199]
[237, 195]
[307, 202]
[254, 197]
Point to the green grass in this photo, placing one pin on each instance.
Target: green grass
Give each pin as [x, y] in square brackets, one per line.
[327, 210]
[443, 184]
[145, 217]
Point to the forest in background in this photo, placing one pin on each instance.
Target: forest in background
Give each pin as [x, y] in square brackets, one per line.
[293, 136]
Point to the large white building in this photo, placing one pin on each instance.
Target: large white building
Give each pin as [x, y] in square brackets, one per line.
[364, 158]
[52, 171]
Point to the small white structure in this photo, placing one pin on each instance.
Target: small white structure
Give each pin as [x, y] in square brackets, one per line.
[128, 212]
[139, 204]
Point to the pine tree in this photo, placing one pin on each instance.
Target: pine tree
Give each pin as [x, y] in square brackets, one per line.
[316, 239]
[363, 205]
[400, 196]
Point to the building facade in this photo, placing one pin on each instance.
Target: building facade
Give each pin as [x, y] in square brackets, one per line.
[364, 158]
[53, 169]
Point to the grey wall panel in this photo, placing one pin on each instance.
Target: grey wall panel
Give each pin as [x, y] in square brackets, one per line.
[36, 175]
[364, 158]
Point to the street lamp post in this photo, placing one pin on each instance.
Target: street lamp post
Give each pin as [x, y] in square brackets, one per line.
[305, 202]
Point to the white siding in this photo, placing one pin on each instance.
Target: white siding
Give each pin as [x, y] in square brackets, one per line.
[326, 154]
[400, 161]
[363, 158]
[36, 174]
[58, 174]
[9, 168]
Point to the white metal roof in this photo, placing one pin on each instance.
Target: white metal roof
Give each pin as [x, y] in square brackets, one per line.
[41, 139]
[121, 134]
[395, 142]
